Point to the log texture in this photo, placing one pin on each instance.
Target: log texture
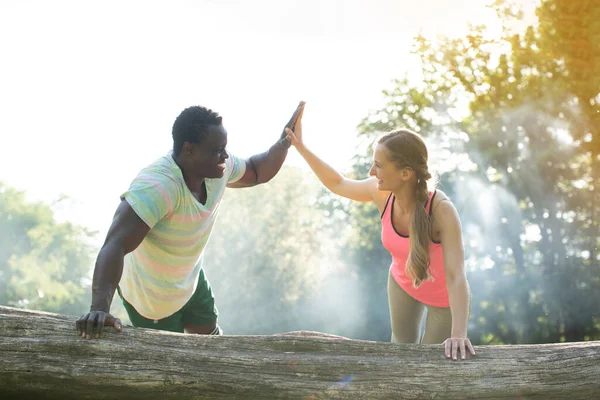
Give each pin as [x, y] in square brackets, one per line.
[41, 356]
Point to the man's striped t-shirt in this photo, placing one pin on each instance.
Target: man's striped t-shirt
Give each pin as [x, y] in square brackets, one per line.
[160, 276]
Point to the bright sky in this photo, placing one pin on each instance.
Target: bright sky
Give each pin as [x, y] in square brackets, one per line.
[89, 90]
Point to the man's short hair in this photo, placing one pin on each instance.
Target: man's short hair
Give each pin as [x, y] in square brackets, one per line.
[192, 126]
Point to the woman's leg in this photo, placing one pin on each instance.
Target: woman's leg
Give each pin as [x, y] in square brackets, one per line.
[406, 314]
[438, 326]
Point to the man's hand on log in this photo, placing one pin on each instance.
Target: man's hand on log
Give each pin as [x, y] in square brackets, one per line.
[90, 325]
[452, 345]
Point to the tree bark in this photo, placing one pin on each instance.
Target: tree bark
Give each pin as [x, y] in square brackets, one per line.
[41, 356]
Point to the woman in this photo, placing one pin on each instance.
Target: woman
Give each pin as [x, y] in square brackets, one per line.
[422, 232]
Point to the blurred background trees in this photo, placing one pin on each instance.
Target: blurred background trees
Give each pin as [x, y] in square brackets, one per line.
[44, 264]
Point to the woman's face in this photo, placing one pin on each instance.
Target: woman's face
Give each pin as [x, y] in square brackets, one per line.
[389, 176]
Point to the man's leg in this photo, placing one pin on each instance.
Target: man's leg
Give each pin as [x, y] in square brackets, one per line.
[200, 313]
[438, 326]
[406, 314]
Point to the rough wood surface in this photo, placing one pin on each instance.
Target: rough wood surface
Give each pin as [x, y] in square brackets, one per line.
[41, 356]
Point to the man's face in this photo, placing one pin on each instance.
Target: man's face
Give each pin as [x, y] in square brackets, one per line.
[208, 157]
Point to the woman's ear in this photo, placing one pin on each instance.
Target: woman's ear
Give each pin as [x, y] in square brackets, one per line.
[406, 174]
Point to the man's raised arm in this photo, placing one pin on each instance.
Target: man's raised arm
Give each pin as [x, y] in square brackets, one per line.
[261, 168]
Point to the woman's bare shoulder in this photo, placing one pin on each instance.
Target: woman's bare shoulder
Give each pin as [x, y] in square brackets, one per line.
[443, 208]
[440, 195]
[442, 202]
[380, 197]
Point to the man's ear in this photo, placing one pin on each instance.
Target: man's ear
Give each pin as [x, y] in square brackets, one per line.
[188, 147]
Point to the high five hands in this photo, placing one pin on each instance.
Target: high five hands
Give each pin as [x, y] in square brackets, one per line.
[295, 134]
[292, 126]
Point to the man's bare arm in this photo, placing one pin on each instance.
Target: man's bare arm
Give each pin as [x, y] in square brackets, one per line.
[125, 235]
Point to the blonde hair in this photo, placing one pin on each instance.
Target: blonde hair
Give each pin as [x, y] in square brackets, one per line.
[406, 149]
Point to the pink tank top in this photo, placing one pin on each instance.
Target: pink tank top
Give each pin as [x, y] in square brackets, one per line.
[433, 293]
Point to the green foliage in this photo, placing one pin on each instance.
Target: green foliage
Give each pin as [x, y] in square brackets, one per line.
[44, 264]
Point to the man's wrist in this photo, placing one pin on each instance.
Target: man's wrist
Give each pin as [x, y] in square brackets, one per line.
[96, 309]
[101, 302]
[281, 145]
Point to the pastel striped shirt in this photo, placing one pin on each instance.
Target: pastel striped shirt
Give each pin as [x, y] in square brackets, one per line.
[160, 276]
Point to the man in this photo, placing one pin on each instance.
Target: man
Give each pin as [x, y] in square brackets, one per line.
[153, 251]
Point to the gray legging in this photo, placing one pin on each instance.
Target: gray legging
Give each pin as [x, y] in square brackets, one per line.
[406, 315]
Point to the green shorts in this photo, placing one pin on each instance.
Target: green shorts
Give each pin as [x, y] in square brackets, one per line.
[200, 310]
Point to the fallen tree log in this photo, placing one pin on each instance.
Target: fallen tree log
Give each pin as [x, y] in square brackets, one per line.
[41, 356]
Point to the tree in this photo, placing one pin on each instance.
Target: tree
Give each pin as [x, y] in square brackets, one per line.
[44, 264]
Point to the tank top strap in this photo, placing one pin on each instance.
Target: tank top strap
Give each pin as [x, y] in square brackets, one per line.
[430, 202]
[387, 205]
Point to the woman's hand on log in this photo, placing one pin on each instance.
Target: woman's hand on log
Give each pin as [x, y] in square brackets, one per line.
[454, 344]
[90, 325]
